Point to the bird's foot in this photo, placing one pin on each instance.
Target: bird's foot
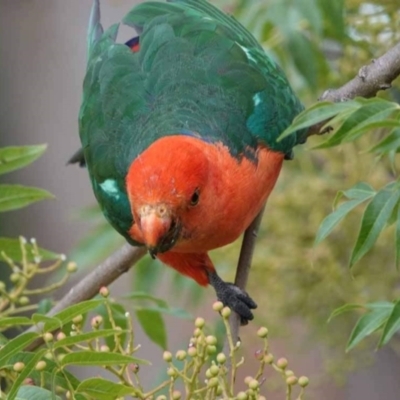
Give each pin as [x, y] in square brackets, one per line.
[233, 297]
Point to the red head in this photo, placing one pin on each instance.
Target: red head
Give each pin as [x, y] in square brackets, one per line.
[166, 185]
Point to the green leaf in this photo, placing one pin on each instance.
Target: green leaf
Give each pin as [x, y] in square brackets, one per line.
[374, 220]
[147, 297]
[334, 218]
[12, 248]
[317, 113]
[15, 345]
[39, 318]
[87, 336]
[103, 389]
[371, 111]
[71, 312]
[44, 306]
[392, 325]
[35, 393]
[12, 158]
[390, 142]
[153, 325]
[397, 238]
[13, 197]
[343, 309]
[29, 367]
[360, 190]
[367, 324]
[83, 358]
[14, 321]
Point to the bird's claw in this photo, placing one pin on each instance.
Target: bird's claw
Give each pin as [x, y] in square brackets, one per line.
[233, 297]
[237, 300]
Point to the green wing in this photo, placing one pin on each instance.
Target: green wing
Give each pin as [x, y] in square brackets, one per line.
[199, 73]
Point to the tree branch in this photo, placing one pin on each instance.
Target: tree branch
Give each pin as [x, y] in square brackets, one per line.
[107, 272]
[370, 79]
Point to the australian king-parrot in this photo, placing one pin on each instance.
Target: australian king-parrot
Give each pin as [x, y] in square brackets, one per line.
[179, 131]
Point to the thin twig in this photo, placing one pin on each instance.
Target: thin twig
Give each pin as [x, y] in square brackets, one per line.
[107, 272]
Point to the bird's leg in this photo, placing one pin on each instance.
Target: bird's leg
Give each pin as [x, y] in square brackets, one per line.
[232, 296]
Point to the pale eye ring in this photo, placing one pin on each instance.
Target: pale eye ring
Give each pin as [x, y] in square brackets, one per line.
[194, 200]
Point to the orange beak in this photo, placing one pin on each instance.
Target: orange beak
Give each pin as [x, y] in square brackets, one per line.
[155, 223]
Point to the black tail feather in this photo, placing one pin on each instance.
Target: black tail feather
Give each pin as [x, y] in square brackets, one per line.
[78, 158]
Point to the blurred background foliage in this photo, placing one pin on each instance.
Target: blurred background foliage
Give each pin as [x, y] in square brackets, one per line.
[320, 45]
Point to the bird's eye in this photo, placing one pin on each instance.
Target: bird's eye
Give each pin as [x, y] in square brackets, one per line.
[195, 198]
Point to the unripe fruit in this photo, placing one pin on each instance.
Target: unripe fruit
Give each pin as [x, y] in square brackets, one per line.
[242, 396]
[23, 300]
[262, 332]
[303, 381]
[167, 356]
[104, 291]
[212, 383]
[171, 372]
[248, 379]
[61, 336]
[292, 380]
[18, 366]
[218, 306]
[40, 366]
[61, 356]
[209, 374]
[226, 312]
[199, 323]
[162, 397]
[211, 340]
[77, 320]
[282, 363]
[261, 398]
[72, 267]
[104, 348]
[219, 391]
[197, 332]
[48, 337]
[254, 384]
[268, 359]
[211, 350]
[15, 277]
[2, 286]
[180, 355]
[214, 370]
[289, 373]
[176, 395]
[221, 358]
[135, 368]
[259, 354]
[192, 351]
[48, 355]
[96, 321]
[29, 381]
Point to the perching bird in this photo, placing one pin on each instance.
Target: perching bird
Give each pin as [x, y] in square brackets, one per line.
[179, 131]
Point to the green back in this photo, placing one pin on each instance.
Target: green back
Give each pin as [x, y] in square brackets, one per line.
[199, 73]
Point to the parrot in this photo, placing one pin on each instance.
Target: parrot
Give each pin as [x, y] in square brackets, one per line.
[179, 129]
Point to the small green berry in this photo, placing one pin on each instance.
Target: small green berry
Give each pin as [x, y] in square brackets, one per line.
[61, 336]
[40, 366]
[248, 379]
[211, 350]
[197, 332]
[212, 383]
[48, 337]
[23, 300]
[242, 396]
[199, 323]
[104, 291]
[171, 372]
[15, 277]
[303, 381]
[218, 306]
[221, 358]
[226, 312]
[161, 397]
[104, 348]
[61, 356]
[167, 356]
[176, 395]
[18, 366]
[209, 374]
[254, 384]
[268, 359]
[49, 355]
[211, 340]
[291, 380]
[214, 370]
[192, 351]
[96, 321]
[180, 355]
[219, 391]
[262, 332]
[72, 267]
[282, 363]
[77, 320]
[2, 286]
[289, 373]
